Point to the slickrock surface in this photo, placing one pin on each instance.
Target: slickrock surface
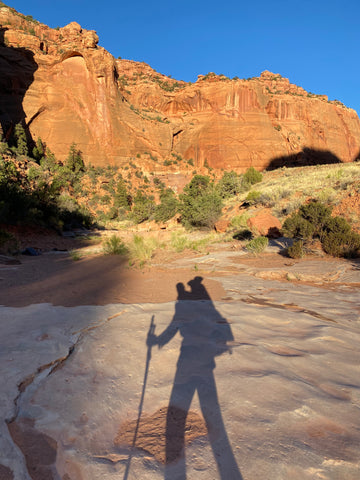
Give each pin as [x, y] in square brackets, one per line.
[272, 366]
[65, 86]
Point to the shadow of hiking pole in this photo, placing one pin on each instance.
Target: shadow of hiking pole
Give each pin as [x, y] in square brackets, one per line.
[148, 358]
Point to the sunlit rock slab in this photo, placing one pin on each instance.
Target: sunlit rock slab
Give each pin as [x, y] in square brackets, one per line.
[288, 390]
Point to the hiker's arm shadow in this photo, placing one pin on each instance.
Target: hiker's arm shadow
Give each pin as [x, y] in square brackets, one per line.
[164, 337]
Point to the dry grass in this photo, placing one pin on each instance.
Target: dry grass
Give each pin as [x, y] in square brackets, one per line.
[284, 190]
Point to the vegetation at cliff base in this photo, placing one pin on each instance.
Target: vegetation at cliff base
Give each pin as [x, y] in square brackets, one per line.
[38, 189]
[39, 194]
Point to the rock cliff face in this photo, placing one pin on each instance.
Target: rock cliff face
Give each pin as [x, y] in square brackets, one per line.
[68, 89]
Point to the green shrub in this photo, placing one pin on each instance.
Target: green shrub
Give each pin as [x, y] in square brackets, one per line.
[296, 250]
[21, 141]
[74, 161]
[297, 227]
[239, 221]
[252, 176]
[39, 150]
[341, 244]
[200, 203]
[179, 242]
[315, 213]
[114, 246]
[257, 245]
[142, 249]
[253, 197]
[168, 206]
[314, 220]
[338, 240]
[143, 208]
[229, 185]
[122, 198]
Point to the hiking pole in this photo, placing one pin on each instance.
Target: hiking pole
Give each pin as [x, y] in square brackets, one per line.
[148, 357]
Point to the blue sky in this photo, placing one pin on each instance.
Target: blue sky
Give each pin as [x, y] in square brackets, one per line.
[314, 43]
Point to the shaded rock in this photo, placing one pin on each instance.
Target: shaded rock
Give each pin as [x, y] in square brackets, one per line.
[222, 225]
[5, 260]
[31, 252]
[68, 234]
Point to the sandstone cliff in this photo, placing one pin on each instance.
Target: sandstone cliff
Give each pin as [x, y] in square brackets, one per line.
[69, 89]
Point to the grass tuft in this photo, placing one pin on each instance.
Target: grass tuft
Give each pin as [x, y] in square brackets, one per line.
[114, 246]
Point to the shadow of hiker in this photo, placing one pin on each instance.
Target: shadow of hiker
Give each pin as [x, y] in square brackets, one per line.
[205, 335]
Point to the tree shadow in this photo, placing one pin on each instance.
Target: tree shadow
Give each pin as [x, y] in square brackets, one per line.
[307, 157]
[205, 336]
[17, 66]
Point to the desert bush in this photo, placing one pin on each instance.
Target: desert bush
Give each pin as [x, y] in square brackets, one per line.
[338, 239]
[257, 245]
[122, 198]
[253, 197]
[316, 213]
[292, 206]
[252, 176]
[114, 246]
[142, 249]
[200, 203]
[296, 250]
[178, 242]
[229, 185]
[168, 206]
[74, 161]
[297, 227]
[239, 221]
[327, 195]
[315, 220]
[341, 244]
[21, 141]
[143, 208]
[39, 150]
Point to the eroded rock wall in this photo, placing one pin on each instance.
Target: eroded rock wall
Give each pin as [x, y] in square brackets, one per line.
[68, 89]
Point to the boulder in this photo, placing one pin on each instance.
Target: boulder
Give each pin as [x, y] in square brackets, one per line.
[264, 223]
[222, 225]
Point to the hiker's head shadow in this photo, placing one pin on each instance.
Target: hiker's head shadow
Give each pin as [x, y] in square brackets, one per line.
[198, 290]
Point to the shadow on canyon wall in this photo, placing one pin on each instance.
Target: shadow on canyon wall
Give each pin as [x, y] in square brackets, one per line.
[17, 66]
[307, 157]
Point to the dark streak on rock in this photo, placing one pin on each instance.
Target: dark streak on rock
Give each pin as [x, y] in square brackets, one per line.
[291, 307]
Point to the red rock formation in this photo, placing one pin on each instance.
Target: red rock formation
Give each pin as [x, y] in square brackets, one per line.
[265, 224]
[68, 89]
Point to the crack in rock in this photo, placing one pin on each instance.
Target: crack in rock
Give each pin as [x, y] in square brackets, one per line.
[286, 306]
[38, 449]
